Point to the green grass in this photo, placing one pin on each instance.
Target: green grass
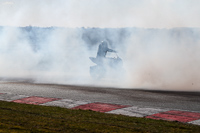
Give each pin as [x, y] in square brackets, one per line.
[26, 118]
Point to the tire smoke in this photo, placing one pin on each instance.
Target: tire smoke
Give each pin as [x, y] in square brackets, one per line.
[152, 58]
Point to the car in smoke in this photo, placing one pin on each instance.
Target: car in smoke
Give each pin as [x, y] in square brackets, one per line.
[110, 66]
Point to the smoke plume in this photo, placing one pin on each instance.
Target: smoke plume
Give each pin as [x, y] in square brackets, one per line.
[152, 58]
[51, 41]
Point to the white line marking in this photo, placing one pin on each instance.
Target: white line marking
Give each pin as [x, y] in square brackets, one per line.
[66, 103]
[196, 122]
[10, 97]
[137, 111]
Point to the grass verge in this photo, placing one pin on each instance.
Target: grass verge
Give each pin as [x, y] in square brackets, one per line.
[16, 117]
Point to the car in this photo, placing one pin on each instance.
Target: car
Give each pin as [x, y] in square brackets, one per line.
[106, 66]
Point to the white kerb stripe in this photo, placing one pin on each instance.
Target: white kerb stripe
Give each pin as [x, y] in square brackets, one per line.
[66, 103]
[137, 111]
[10, 97]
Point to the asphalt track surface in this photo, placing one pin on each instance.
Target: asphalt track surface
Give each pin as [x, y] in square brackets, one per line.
[176, 100]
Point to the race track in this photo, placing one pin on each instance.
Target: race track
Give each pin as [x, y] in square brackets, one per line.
[189, 101]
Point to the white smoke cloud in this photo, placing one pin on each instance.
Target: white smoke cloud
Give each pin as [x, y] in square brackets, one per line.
[163, 60]
[16, 54]
[62, 57]
[101, 13]
[152, 59]
[8, 3]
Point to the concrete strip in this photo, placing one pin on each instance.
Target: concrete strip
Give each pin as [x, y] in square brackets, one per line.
[10, 97]
[137, 111]
[66, 103]
[197, 122]
[125, 112]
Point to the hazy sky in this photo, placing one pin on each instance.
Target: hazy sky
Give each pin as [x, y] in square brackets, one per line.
[101, 13]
